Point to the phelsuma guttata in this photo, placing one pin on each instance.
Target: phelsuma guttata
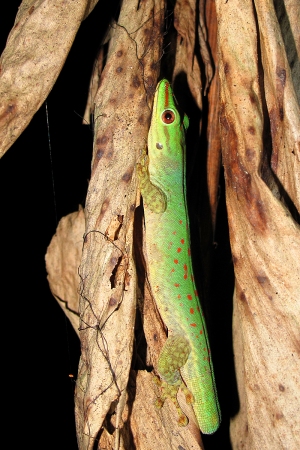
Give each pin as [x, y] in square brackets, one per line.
[185, 361]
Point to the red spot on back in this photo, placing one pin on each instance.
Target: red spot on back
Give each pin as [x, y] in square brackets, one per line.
[193, 324]
[192, 310]
[201, 332]
[176, 285]
[178, 296]
[189, 297]
[196, 293]
[174, 232]
[178, 250]
[182, 241]
[189, 251]
[180, 222]
[185, 271]
[176, 261]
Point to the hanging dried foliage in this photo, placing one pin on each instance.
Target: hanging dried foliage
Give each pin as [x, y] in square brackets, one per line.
[35, 53]
[94, 260]
[260, 131]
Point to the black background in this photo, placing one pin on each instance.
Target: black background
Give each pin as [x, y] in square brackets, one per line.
[39, 347]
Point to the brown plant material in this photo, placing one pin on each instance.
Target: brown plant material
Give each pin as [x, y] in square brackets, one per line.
[186, 59]
[265, 239]
[93, 88]
[34, 55]
[108, 287]
[96, 76]
[288, 18]
[62, 263]
[205, 50]
[213, 126]
[282, 104]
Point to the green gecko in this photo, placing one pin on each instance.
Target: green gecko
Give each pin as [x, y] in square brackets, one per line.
[184, 361]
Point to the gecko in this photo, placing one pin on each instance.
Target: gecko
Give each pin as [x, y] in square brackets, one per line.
[185, 360]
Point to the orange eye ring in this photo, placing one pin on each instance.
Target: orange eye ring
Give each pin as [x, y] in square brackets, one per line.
[168, 116]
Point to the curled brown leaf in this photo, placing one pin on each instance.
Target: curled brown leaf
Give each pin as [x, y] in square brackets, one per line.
[36, 50]
[265, 239]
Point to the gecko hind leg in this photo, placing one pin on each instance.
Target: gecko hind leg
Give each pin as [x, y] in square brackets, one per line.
[173, 356]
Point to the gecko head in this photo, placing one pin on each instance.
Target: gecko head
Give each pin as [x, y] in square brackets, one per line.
[165, 107]
[168, 126]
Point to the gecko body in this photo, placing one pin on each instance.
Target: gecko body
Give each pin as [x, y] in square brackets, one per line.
[185, 360]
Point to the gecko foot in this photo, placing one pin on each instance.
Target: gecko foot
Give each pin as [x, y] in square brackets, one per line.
[189, 398]
[170, 391]
[173, 356]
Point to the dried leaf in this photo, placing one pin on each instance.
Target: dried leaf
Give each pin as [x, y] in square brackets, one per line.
[204, 47]
[282, 104]
[265, 239]
[36, 50]
[93, 88]
[96, 75]
[288, 18]
[108, 300]
[213, 127]
[186, 61]
[62, 263]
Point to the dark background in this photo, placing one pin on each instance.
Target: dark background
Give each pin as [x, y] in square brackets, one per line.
[38, 187]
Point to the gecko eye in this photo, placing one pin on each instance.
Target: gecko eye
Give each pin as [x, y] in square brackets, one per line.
[168, 116]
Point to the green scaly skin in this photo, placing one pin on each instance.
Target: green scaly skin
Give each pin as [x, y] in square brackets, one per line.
[184, 361]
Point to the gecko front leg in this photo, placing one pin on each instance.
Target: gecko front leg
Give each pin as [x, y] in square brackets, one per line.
[153, 197]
